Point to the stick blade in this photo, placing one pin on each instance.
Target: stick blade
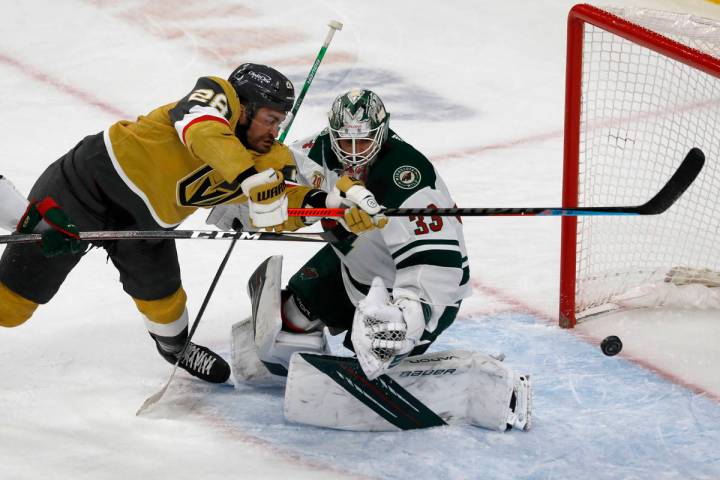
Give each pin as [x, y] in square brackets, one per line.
[683, 177]
[155, 397]
[150, 401]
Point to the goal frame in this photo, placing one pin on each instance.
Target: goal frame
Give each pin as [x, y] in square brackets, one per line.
[578, 16]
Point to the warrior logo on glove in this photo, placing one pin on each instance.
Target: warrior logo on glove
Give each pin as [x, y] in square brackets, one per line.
[271, 192]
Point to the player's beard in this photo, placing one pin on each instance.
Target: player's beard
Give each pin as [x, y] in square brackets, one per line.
[263, 144]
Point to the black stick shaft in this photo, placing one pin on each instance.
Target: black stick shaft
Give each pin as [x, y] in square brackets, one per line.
[668, 194]
[112, 235]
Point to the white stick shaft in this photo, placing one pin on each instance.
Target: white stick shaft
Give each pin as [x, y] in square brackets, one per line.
[334, 26]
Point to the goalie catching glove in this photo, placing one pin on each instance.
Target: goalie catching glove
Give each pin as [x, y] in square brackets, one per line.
[385, 331]
[267, 201]
[59, 234]
[363, 212]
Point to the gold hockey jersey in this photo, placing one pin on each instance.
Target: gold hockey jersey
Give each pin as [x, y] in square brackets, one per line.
[186, 155]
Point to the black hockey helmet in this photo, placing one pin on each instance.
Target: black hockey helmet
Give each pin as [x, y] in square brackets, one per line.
[262, 86]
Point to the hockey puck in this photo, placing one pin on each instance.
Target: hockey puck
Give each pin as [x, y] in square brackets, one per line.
[611, 345]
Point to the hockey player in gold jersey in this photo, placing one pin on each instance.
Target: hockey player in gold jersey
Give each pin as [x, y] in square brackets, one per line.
[214, 146]
[197, 152]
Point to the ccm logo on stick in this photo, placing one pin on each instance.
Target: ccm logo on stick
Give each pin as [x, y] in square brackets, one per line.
[218, 234]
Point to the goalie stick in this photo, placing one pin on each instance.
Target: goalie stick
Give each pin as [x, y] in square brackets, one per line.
[111, 235]
[668, 194]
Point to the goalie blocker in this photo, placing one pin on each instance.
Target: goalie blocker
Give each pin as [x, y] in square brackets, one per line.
[458, 387]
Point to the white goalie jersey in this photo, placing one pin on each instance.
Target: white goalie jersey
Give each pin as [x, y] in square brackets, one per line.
[423, 254]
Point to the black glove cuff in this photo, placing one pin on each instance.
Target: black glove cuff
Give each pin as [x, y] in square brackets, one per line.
[315, 199]
[246, 174]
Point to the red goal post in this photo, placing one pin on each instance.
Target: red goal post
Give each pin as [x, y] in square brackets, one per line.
[641, 86]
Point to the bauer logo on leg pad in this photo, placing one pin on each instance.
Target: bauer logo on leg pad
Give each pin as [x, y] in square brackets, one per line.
[417, 373]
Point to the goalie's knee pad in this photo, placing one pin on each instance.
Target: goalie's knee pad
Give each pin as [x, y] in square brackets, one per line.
[287, 343]
[251, 365]
[295, 316]
[165, 317]
[14, 308]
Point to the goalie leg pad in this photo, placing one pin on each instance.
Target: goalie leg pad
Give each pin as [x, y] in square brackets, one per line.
[264, 288]
[457, 387]
[272, 346]
[521, 404]
[246, 364]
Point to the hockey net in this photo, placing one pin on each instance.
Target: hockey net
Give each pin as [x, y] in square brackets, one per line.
[642, 88]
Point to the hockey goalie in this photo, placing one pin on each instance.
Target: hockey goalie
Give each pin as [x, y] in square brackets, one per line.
[392, 287]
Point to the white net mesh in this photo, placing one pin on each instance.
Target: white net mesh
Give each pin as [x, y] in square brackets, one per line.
[641, 113]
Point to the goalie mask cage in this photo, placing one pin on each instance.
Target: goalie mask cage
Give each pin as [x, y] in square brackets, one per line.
[642, 88]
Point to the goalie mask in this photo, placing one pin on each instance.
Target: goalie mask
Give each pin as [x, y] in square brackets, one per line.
[262, 86]
[358, 129]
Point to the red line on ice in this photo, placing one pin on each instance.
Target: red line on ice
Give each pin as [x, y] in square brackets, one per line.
[539, 137]
[47, 79]
[285, 453]
[517, 305]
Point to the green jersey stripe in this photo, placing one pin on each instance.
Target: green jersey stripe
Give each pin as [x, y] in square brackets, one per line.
[466, 275]
[361, 287]
[440, 258]
[418, 243]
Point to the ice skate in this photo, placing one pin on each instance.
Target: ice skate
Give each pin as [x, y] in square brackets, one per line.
[200, 362]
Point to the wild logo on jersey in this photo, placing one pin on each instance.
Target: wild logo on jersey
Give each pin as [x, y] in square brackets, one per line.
[205, 188]
[407, 177]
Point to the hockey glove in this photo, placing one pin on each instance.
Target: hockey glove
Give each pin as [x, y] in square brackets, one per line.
[363, 212]
[381, 334]
[414, 316]
[59, 234]
[266, 199]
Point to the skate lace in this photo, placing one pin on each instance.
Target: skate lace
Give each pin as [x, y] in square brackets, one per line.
[198, 360]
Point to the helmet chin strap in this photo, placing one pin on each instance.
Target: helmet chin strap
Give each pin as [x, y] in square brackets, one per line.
[241, 133]
[241, 130]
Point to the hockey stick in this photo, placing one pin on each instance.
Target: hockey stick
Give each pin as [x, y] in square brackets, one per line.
[112, 235]
[334, 25]
[154, 398]
[668, 194]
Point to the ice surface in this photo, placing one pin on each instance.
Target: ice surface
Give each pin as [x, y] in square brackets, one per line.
[478, 86]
